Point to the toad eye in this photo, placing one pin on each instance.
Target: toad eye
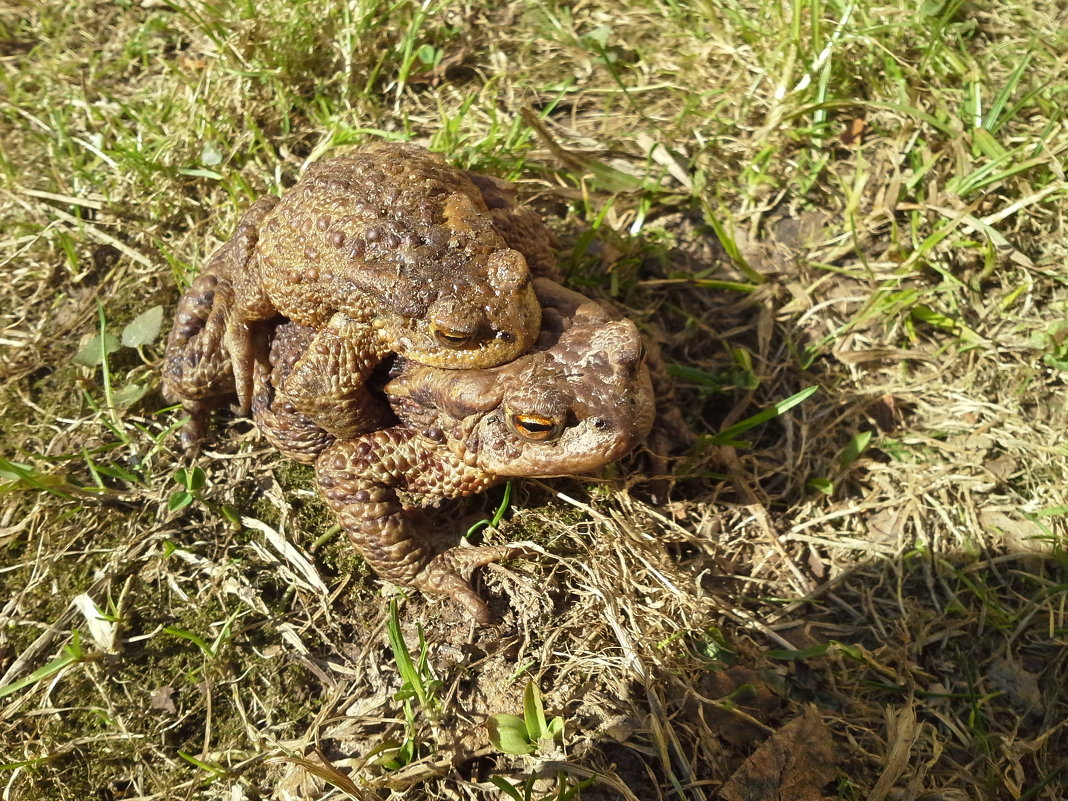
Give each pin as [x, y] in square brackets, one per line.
[451, 338]
[535, 427]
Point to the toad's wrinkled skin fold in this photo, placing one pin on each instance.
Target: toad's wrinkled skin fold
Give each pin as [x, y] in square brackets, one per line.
[386, 249]
[579, 400]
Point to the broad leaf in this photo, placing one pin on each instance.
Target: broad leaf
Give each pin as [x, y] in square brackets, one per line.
[508, 733]
[144, 328]
[95, 350]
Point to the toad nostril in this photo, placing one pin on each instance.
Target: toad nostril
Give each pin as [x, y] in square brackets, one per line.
[599, 423]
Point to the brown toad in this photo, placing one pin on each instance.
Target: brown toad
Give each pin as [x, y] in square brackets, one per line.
[579, 400]
[386, 249]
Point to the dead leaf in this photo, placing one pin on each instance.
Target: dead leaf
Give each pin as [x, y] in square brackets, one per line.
[745, 706]
[1017, 536]
[794, 764]
[854, 134]
[1002, 467]
[884, 526]
[163, 700]
[816, 563]
[1019, 685]
[192, 63]
[436, 74]
[807, 229]
[885, 413]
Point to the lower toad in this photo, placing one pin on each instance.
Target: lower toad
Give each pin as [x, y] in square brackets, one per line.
[579, 400]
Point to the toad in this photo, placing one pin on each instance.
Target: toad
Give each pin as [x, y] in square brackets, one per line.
[386, 249]
[580, 399]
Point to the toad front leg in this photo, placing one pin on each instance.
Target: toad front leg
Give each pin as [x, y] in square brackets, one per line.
[196, 369]
[199, 369]
[327, 383]
[360, 479]
[237, 258]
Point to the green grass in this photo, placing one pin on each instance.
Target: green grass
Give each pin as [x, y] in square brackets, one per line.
[864, 198]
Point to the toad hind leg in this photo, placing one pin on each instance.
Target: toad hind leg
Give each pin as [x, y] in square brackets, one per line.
[449, 573]
[360, 478]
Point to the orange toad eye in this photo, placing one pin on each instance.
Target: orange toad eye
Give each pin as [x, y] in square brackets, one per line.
[451, 338]
[535, 427]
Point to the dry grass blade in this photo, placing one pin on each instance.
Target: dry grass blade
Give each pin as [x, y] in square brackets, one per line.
[902, 731]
